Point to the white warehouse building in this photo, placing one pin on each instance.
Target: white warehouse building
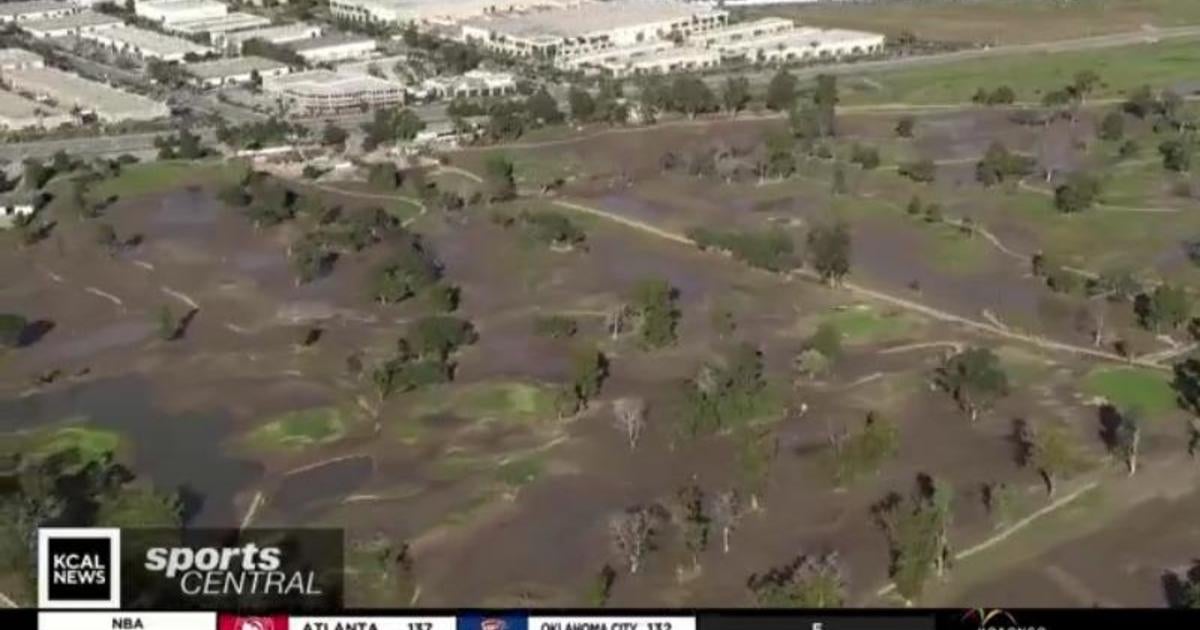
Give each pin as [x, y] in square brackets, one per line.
[35, 10]
[146, 44]
[334, 47]
[432, 11]
[170, 11]
[804, 44]
[282, 34]
[591, 27]
[74, 24]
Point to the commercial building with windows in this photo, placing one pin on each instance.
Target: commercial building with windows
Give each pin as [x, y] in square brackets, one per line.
[170, 11]
[74, 24]
[741, 31]
[71, 91]
[591, 27]
[432, 11]
[146, 44]
[803, 44]
[234, 70]
[35, 10]
[623, 62]
[223, 24]
[474, 83]
[282, 34]
[324, 91]
[334, 47]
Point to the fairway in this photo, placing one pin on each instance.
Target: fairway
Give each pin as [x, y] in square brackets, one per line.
[1031, 75]
[995, 21]
[1132, 388]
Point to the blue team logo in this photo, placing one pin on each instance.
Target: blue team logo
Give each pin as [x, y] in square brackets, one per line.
[492, 622]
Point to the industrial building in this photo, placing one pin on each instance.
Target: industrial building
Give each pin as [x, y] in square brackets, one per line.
[742, 31]
[35, 10]
[18, 58]
[803, 44]
[234, 70]
[282, 34]
[74, 24]
[146, 44]
[432, 11]
[590, 27]
[672, 59]
[223, 24]
[334, 47]
[474, 83]
[70, 91]
[18, 112]
[171, 11]
[324, 91]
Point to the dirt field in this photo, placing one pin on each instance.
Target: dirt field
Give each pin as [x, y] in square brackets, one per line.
[482, 473]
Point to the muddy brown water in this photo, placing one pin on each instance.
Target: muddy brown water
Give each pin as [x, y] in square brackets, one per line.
[176, 451]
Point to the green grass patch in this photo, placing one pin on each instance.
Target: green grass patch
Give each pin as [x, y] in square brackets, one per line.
[1132, 388]
[300, 429]
[953, 252]
[520, 471]
[157, 177]
[504, 401]
[1032, 75]
[863, 324]
[91, 444]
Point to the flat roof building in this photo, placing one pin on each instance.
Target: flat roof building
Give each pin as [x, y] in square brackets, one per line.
[74, 24]
[334, 47]
[17, 58]
[281, 34]
[18, 112]
[35, 10]
[146, 44]
[170, 11]
[804, 44]
[234, 70]
[594, 26]
[471, 84]
[742, 30]
[325, 91]
[431, 11]
[70, 91]
[223, 24]
[655, 57]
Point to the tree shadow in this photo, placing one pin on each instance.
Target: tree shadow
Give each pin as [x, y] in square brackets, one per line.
[1110, 423]
[34, 332]
[185, 322]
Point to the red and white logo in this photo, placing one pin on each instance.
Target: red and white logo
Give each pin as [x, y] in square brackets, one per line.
[237, 622]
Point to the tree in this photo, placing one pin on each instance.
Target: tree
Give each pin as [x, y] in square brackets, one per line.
[135, 506]
[629, 417]
[12, 329]
[865, 156]
[333, 136]
[825, 99]
[1167, 306]
[167, 323]
[1050, 450]
[438, 336]
[690, 516]
[1122, 433]
[106, 238]
[410, 270]
[498, 182]
[999, 163]
[781, 91]
[1112, 126]
[756, 455]
[916, 530]
[922, 171]
[583, 107]
[735, 94]
[654, 303]
[1176, 155]
[543, 108]
[865, 451]
[975, 378]
[383, 176]
[1077, 194]
[829, 251]
[806, 582]
[905, 126]
[1141, 102]
[311, 258]
[35, 175]
[589, 369]
[1083, 83]
[691, 95]
[727, 512]
[632, 533]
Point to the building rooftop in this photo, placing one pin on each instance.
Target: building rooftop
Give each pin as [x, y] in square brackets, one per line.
[223, 24]
[71, 90]
[805, 36]
[153, 41]
[34, 6]
[580, 20]
[232, 66]
[16, 56]
[298, 30]
[76, 20]
[328, 40]
[17, 107]
[180, 5]
[327, 82]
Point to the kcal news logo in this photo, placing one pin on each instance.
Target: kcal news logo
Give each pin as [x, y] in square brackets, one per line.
[79, 568]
